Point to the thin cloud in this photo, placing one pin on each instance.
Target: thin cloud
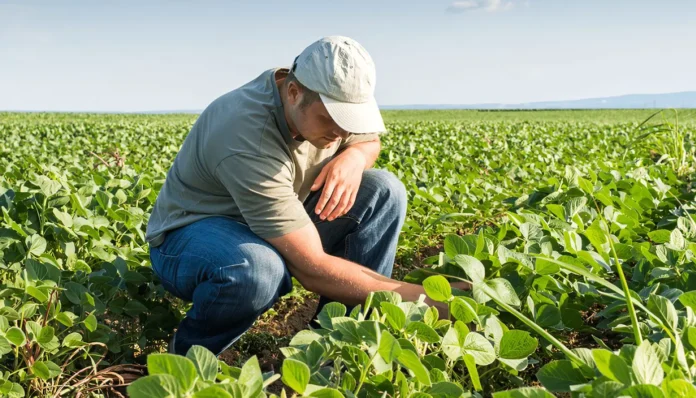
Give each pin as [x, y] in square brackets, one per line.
[459, 7]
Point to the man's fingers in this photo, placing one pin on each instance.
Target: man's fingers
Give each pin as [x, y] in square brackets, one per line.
[325, 196]
[319, 181]
[342, 206]
[332, 203]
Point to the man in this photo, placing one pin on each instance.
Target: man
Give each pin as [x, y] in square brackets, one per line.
[273, 180]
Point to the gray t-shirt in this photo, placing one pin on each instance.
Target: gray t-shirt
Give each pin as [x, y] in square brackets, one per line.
[240, 160]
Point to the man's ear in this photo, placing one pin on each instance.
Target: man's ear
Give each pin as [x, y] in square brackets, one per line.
[294, 93]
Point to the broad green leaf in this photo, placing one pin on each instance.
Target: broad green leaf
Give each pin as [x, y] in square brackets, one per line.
[212, 392]
[423, 332]
[331, 310]
[154, 386]
[410, 361]
[5, 346]
[46, 369]
[36, 245]
[660, 236]
[688, 299]
[480, 348]
[548, 315]
[91, 322]
[646, 365]
[517, 344]
[251, 376]
[472, 266]
[389, 347]
[462, 310]
[642, 391]
[37, 294]
[559, 376]
[680, 389]
[395, 315]
[15, 336]
[205, 362]
[470, 363]
[455, 245]
[444, 389]
[525, 392]
[663, 307]
[326, 393]
[437, 288]
[180, 367]
[73, 340]
[64, 218]
[612, 366]
[295, 375]
[452, 344]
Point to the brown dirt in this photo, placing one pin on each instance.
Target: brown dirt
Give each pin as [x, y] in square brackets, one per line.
[272, 331]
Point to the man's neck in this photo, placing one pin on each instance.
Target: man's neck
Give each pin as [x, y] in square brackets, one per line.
[280, 82]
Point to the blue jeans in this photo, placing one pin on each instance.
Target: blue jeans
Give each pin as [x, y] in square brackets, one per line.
[232, 276]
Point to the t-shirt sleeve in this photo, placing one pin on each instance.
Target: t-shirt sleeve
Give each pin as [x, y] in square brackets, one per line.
[355, 138]
[262, 189]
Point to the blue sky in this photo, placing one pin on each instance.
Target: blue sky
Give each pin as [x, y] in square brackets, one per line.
[181, 54]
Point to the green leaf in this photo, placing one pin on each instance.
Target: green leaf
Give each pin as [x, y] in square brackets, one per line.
[46, 335]
[664, 308]
[331, 310]
[680, 389]
[15, 336]
[46, 370]
[612, 366]
[462, 310]
[389, 347]
[154, 386]
[688, 299]
[326, 393]
[395, 315]
[646, 365]
[472, 266]
[348, 328]
[525, 392]
[65, 319]
[251, 376]
[445, 389]
[480, 348]
[543, 267]
[452, 344]
[455, 245]
[212, 392]
[660, 236]
[205, 362]
[295, 375]
[91, 322]
[178, 366]
[517, 344]
[548, 315]
[73, 340]
[470, 363]
[676, 240]
[437, 288]
[64, 218]
[9, 221]
[5, 346]
[558, 376]
[642, 391]
[37, 294]
[36, 245]
[410, 361]
[423, 332]
[134, 308]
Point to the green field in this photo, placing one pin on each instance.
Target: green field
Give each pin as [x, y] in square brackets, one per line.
[575, 229]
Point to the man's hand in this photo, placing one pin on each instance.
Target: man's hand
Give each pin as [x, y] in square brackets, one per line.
[341, 179]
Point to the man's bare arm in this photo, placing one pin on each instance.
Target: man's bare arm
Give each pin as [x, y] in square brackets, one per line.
[369, 149]
[334, 277]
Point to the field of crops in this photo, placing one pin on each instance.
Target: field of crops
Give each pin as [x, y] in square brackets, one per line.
[577, 234]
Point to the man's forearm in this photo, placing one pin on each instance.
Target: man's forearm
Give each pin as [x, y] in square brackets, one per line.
[350, 283]
[369, 149]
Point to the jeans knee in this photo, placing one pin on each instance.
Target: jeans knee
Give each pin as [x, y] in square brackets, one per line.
[389, 189]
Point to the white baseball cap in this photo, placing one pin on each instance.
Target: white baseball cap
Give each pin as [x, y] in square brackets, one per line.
[341, 71]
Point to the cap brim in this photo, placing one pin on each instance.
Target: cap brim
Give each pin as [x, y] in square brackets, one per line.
[363, 118]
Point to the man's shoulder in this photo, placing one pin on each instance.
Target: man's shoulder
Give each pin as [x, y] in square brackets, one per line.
[242, 120]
